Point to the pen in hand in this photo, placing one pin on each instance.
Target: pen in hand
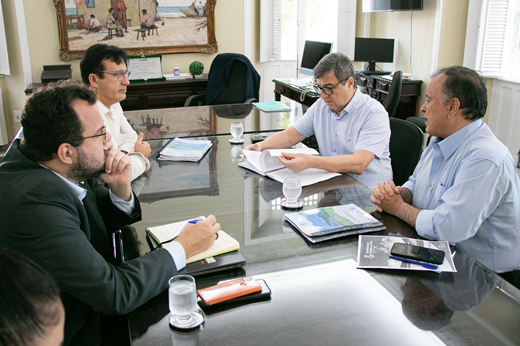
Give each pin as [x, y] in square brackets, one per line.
[193, 221]
[425, 265]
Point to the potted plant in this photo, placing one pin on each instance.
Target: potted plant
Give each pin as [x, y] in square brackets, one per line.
[196, 68]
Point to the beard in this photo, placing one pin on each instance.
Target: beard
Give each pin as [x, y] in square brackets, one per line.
[85, 169]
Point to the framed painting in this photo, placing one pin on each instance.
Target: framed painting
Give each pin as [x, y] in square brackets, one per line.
[140, 27]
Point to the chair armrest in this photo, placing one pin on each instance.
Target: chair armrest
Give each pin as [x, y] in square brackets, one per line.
[251, 100]
[191, 98]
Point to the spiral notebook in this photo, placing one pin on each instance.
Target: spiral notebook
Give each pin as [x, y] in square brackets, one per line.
[322, 224]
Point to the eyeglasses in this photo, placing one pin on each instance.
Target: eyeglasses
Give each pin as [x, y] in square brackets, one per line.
[327, 90]
[120, 74]
[103, 133]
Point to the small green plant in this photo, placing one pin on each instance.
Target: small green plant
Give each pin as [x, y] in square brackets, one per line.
[196, 68]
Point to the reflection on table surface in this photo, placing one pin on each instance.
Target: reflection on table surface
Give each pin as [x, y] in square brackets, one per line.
[208, 120]
[318, 295]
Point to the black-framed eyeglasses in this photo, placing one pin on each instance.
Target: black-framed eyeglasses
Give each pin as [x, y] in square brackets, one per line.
[103, 133]
[327, 90]
[120, 74]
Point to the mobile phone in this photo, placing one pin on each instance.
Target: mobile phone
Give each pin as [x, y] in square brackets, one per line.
[417, 253]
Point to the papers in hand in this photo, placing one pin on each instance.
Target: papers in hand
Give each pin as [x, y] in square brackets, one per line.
[165, 233]
[266, 163]
[374, 253]
[332, 222]
[184, 150]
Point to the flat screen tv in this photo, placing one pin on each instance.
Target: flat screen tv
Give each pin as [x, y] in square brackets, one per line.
[313, 51]
[374, 50]
[392, 5]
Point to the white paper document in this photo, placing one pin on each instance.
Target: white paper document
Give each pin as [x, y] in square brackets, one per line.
[266, 163]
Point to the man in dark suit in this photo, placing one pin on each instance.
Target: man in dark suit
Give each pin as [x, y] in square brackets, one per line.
[54, 209]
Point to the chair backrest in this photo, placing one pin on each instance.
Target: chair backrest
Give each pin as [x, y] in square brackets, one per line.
[235, 90]
[406, 144]
[394, 93]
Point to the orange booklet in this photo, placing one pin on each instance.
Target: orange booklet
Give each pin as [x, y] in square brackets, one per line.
[229, 290]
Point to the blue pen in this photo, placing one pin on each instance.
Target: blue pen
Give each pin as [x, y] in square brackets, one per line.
[428, 266]
[193, 221]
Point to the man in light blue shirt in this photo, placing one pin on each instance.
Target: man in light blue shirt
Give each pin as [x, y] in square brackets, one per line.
[465, 188]
[352, 129]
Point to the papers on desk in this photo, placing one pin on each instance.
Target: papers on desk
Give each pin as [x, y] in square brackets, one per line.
[266, 163]
[322, 224]
[182, 76]
[374, 253]
[184, 150]
[166, 233]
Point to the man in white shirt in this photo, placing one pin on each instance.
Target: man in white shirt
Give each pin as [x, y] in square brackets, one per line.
[103, 69]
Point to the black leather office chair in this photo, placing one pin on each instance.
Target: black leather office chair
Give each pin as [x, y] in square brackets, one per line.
[421, 123]
[406, 144]
[232, 79]
[394, 93]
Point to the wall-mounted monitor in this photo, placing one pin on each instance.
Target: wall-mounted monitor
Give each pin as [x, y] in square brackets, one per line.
[313, 51]
[374, 50]
[392, 5]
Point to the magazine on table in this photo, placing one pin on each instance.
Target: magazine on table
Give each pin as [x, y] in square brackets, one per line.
[184, 150]
[332, 222]
[267, 164]
[374, 253]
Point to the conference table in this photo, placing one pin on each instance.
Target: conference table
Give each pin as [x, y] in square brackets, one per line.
[319, 297]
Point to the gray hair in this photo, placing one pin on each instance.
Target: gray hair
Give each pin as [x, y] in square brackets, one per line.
[337, 62]
[468, 87]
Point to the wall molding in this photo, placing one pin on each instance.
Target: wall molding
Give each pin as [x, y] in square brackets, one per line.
[247, 28]
[24, 42]
[436, 37]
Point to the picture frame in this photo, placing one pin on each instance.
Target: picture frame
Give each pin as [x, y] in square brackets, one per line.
[179, 28]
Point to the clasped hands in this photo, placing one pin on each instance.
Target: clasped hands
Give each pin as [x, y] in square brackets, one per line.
[118, 172]
[387, 197]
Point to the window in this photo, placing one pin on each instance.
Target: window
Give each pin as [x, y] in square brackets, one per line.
[493, 38]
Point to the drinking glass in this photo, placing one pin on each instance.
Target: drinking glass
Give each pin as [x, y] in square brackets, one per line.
[236, 131]
[236, 153]
[292, 189]
[185, 313]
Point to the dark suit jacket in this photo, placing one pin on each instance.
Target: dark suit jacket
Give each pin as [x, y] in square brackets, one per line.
[219, 73]
[42, 217]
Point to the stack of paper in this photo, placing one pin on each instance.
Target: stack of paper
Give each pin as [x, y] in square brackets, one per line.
[266, 163]
[184, 150]
[166, 233]
[322, 224]
[182, 76]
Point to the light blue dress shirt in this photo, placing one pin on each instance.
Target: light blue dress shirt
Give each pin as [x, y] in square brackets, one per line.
[469, 191]
[174, 248]
[362, 125]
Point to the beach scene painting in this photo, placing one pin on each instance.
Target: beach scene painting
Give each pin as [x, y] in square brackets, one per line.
[140, 27]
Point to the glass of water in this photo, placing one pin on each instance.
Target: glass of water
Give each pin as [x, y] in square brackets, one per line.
[185, 313]
[292, 189]
[236, 131]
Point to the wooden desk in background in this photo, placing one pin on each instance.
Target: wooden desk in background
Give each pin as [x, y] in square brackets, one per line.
[377, 88]
[153, 95]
